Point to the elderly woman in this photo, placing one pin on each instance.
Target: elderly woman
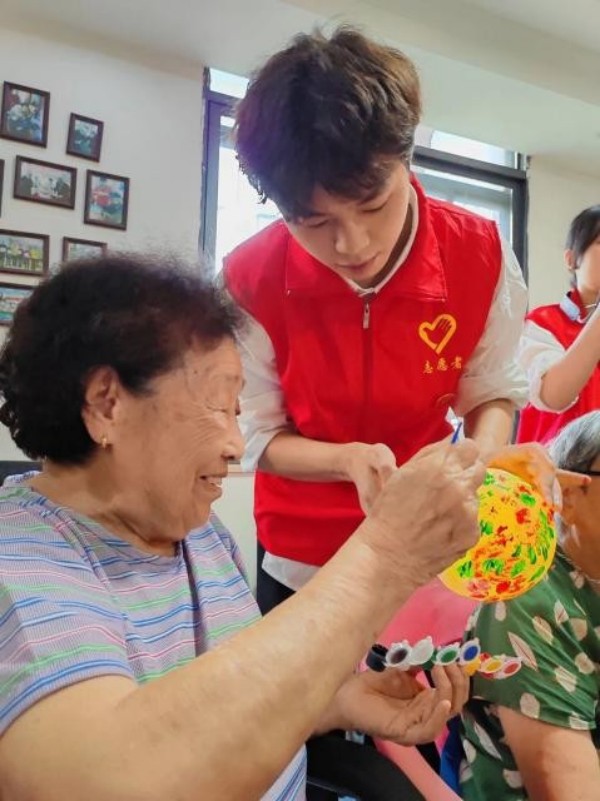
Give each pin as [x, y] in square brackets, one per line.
[534, 735]
[133, 664]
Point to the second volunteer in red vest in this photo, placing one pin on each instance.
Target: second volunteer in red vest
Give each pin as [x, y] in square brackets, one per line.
[560, 347]
[372, 309]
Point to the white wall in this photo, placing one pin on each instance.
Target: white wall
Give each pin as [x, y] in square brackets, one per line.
[152, 135]
[235, 510]
[555, 197]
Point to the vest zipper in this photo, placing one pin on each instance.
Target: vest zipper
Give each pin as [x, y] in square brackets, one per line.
[367, 368]
[366, 314]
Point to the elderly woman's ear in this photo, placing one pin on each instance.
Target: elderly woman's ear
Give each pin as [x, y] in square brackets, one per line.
[568, 510]
[100, 409]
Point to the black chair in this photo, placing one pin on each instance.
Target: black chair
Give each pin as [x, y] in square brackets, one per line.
[14, 468]
[340, 768]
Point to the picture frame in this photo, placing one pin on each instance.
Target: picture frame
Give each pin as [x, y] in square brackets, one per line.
[24, 253]
[81, 248]
[25, 113]
[45, 182]
[10, 297]
[106, 200]
[85, 137]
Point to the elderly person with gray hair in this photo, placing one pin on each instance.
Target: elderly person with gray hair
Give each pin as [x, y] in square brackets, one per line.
[535, 735]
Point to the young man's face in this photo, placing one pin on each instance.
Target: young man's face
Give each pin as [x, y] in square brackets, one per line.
[357, 239]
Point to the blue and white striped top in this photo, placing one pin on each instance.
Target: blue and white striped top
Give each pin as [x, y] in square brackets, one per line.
[77, 603]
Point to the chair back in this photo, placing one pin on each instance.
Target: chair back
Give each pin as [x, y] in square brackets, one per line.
[14, 468]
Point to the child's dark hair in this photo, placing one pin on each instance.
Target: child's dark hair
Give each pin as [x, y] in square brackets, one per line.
[583, 231]
[329, 112]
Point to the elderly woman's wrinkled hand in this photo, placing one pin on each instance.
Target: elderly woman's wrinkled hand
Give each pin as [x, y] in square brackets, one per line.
[425, 516]
[393, 705]
[531, 462]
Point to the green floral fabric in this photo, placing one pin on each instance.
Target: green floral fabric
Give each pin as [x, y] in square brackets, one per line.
[555, 629]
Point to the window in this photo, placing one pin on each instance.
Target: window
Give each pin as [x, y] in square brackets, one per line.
[482, 178]
[231, 210]
[492, 191]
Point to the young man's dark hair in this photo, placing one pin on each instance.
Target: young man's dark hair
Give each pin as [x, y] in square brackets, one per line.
[329, 112]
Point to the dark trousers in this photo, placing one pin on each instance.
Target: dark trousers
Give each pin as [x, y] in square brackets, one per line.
[269, 592]
[337, 766]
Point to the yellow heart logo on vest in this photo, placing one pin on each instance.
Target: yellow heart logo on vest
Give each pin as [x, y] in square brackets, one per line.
[438, 333]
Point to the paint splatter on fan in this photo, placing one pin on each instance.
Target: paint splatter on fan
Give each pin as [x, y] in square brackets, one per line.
[516, 546]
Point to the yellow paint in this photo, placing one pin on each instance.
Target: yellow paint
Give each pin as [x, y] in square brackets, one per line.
[516, 547]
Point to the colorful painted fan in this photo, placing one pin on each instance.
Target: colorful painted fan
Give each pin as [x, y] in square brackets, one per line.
[516, 546]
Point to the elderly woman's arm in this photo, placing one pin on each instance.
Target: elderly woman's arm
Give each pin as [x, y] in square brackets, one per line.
[224, 726]
[555, 763]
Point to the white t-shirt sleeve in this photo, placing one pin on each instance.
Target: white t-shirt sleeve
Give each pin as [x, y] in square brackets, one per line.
[493, 372]
[538, 351]
[263, 412]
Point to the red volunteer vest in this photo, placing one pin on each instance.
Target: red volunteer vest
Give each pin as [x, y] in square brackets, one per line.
[379, 369]
[538, 426]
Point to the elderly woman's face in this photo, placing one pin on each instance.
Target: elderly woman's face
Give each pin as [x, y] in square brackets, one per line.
[585, 508]
[174, 445]
[581, 513]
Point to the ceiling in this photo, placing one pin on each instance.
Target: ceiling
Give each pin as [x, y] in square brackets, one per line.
[523, 74]
[578, 23]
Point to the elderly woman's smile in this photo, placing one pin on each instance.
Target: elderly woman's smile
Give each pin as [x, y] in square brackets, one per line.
[171, 446]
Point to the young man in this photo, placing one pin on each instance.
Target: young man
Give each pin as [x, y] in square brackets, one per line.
[372, 309]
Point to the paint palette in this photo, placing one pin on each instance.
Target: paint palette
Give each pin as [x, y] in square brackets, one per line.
[516, 546]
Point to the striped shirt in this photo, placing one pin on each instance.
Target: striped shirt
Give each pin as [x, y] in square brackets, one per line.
[76, 603]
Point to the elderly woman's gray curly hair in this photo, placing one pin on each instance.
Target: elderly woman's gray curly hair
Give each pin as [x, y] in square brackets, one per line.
[577, 447]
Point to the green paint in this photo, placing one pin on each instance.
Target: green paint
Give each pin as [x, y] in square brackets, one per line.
[493, 566]
[518, 568]
[465, 569]
[539, 573]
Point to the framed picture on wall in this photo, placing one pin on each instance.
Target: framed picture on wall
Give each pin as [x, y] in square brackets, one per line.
[10, 297]
[44, 182]
[81, 248]
[85, 137]
[25, 113]
[20, 252]
[106, 200]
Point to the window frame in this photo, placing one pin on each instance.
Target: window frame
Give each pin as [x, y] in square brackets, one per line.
[513, 178]
[215, 106]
